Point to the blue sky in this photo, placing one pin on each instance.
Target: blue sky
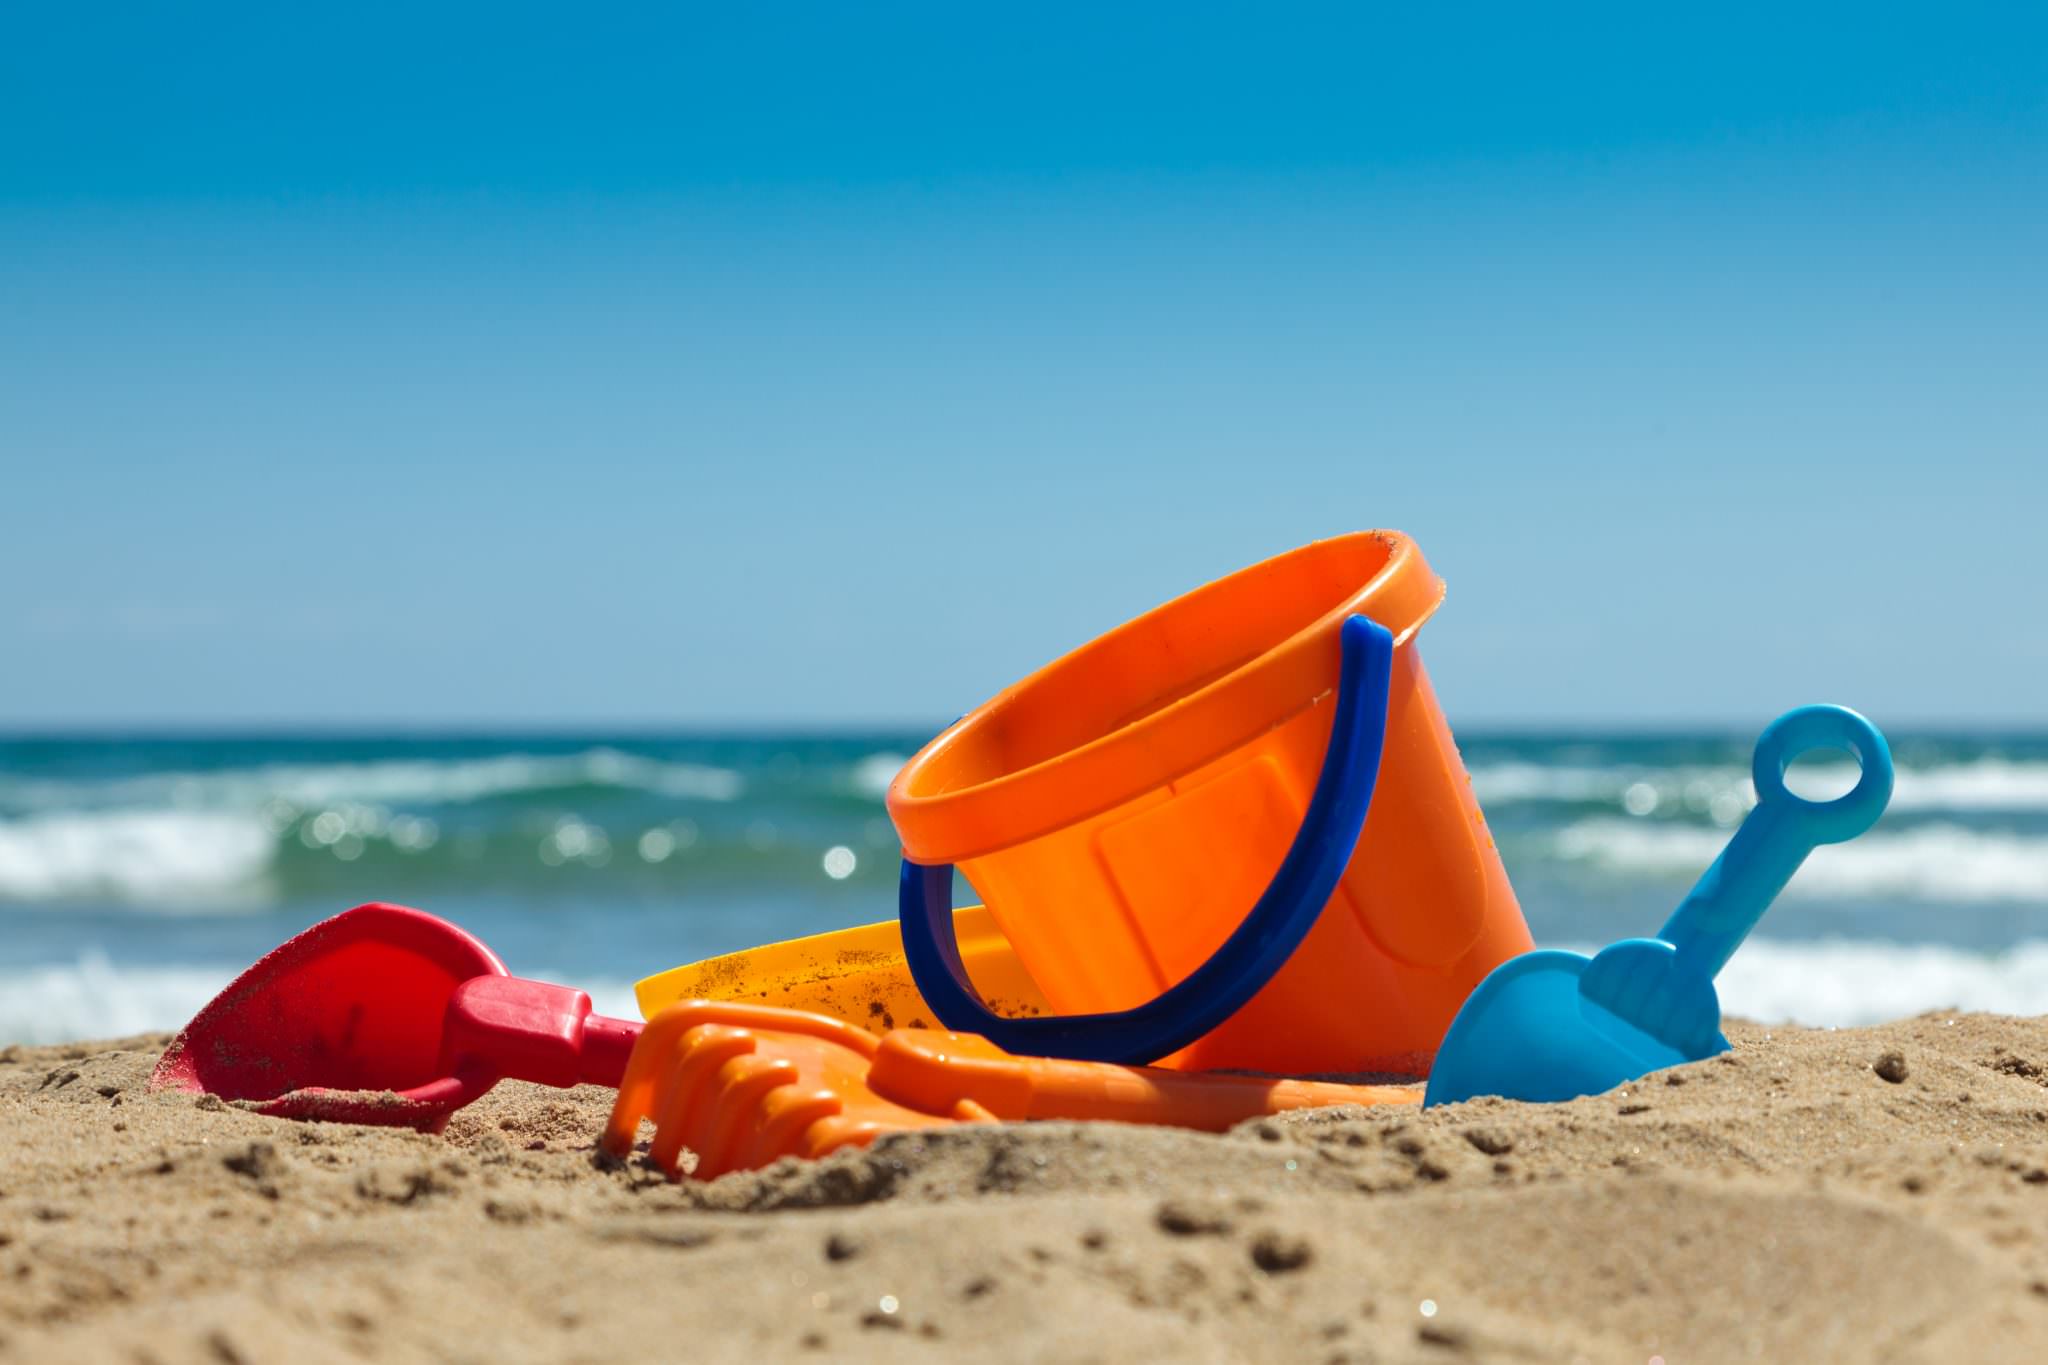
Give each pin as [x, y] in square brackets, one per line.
[841, 364]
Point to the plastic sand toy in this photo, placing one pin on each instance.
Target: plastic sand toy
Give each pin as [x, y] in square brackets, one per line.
[1553, 1025]
[390, 1016]
[1234, 832]
[741, 1086]
[858, 975]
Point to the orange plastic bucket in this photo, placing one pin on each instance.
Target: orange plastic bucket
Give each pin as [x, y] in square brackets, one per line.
[1120, 809]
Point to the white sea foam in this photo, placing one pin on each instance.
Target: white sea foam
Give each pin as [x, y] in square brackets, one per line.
[1501, 784]
[142, 857]
[1938, 862]
[1845, 982]
[873, 774]
[1832, 982]
[1986, 784]
[91, 998]
[387, 781]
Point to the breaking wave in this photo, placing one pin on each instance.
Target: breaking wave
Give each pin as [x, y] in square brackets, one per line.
[1844, 983]
[148, 857]
[1936, 862]
[1982, 785]
[1829, 982]
[388, 781]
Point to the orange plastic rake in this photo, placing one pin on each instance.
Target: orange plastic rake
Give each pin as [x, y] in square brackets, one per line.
[743, 1085]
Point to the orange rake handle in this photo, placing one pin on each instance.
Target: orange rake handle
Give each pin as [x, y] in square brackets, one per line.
[742, 1085]
[929, 1070]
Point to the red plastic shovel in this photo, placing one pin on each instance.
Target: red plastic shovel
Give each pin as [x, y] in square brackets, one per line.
[390, 1016]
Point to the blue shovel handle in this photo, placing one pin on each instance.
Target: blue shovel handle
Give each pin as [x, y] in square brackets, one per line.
[1776, 836]
[1245, 961]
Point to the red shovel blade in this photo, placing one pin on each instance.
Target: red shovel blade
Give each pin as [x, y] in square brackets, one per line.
[344, 1022]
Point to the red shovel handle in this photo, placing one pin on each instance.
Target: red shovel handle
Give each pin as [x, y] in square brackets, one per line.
[607, 1043]
[533, 1031]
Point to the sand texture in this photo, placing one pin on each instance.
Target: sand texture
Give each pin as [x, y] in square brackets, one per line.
[1787, 1202]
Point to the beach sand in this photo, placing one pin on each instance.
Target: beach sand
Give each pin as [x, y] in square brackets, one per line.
[1786, 1202]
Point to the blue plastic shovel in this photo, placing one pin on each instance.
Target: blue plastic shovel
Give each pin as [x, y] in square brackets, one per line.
[1552, 1025]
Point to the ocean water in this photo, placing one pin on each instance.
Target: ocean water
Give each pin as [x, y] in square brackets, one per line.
[139, 873]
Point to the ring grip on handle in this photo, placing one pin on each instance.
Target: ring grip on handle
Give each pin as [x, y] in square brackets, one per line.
[1245, 961]
[1804, 730]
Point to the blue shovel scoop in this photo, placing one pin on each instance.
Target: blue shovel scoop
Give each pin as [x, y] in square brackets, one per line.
[1552, 1025]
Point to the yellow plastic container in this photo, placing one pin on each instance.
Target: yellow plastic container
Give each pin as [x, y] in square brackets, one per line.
[856, 975]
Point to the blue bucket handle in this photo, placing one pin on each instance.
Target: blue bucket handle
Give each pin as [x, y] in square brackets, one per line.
[1245, 961]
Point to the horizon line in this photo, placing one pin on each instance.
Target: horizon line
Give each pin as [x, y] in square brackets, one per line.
[649, 728]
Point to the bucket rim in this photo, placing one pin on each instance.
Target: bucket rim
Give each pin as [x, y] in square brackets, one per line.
[949, 807]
